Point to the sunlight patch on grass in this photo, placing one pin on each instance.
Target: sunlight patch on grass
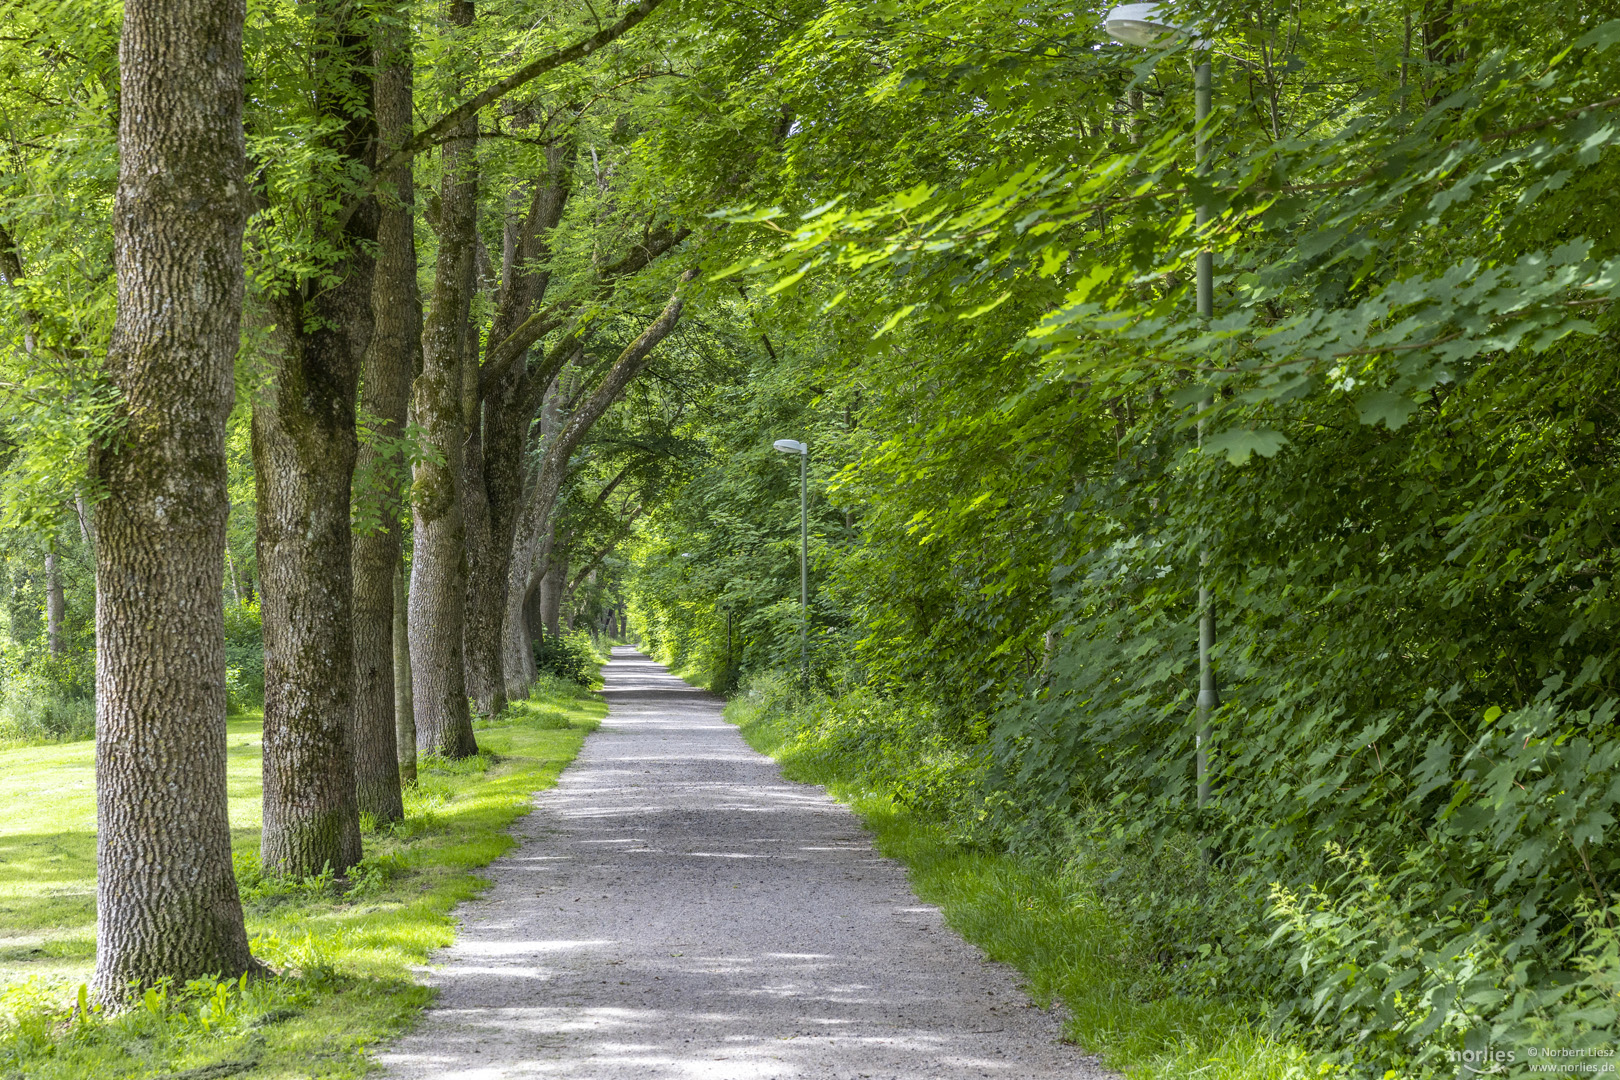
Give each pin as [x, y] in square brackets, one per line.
[345, 949]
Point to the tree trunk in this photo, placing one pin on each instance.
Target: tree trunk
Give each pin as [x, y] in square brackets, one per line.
[439, 561]
[385, 390]
[551, 593]
[55, 602]
[517, 640]
[536, 530]
[304, 454]
[404, 711]
[166, 899]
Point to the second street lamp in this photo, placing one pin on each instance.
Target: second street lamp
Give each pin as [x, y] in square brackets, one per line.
[793, 446]
[1150, 26]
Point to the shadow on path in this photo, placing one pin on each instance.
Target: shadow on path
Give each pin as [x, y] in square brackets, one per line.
[678, 910]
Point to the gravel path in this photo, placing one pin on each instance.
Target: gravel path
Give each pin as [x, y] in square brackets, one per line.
[678, 910]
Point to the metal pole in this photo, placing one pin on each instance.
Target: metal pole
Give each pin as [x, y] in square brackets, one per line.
[804, 563]
[1208, 696]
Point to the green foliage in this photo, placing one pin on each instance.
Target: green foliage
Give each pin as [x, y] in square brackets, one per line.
[244, 657]
[1389, 459]
[571, 657]
[46, 698]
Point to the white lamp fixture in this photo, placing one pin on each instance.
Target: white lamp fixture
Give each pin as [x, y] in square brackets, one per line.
[1142, 25]
[790, 446]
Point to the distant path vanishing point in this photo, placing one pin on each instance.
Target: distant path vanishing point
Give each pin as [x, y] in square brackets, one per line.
[676, 909]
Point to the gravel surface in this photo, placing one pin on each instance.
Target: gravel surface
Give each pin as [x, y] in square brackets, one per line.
[678, 910]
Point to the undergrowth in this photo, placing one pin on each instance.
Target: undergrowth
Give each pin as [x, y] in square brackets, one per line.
[922, 794]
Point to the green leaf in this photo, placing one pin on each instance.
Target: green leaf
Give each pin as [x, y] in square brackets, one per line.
[1238, 443]
[1383, 407]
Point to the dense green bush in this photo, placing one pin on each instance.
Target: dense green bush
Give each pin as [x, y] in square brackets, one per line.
[571, 656]
[45, 698]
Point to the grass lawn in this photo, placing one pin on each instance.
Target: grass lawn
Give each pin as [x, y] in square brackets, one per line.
[344, 950]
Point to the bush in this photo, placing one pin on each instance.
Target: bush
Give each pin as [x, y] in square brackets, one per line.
[569, 656]
[903, 751]
[47, 698]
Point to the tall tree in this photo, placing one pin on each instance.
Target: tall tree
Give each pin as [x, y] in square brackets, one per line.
[509, 396]
[167, 903]
[304, 449]
[439, 560]
[385, 387]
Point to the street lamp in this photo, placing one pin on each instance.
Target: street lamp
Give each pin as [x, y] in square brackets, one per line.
[1150, 26]
[793, 446]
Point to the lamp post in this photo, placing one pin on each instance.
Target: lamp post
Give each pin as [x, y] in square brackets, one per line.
[793, 446]
[1148, 26]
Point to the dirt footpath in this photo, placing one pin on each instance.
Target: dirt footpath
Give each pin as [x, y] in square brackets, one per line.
[678, 910]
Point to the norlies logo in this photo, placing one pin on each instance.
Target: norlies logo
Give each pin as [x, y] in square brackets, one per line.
[1537, 1059]
[1481, 1061]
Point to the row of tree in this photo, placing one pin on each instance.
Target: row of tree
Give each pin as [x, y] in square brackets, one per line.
[417, 330]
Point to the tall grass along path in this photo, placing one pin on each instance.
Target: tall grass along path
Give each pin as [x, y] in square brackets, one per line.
[675, 909]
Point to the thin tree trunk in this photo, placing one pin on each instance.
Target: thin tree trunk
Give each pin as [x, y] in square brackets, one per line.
[55, 602]
[166, 899]
[230, 572]
[404, 711]
[439, 561]
[304, 451]
[385, 390]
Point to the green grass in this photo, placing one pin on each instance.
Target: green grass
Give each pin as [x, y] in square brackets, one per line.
[344, 950]
[1049, 926]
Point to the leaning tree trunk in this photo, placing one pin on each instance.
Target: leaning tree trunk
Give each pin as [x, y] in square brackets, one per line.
[385, 390]
[537, 530]
[303, 455]
[439, 559]
[166, 900]
[495, 475]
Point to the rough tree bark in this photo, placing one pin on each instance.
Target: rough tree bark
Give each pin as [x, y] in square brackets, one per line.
[439, 559]
[304, 452]
[385, 388]
[551, 592]
[167, 905]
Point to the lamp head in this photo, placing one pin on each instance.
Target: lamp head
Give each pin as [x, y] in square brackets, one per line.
[790, 446]
[1146, 26]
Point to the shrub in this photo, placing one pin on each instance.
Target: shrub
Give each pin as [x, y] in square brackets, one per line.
[47, 698]
[569, 656]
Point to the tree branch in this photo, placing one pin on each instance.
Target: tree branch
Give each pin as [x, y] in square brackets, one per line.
[528, 72]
